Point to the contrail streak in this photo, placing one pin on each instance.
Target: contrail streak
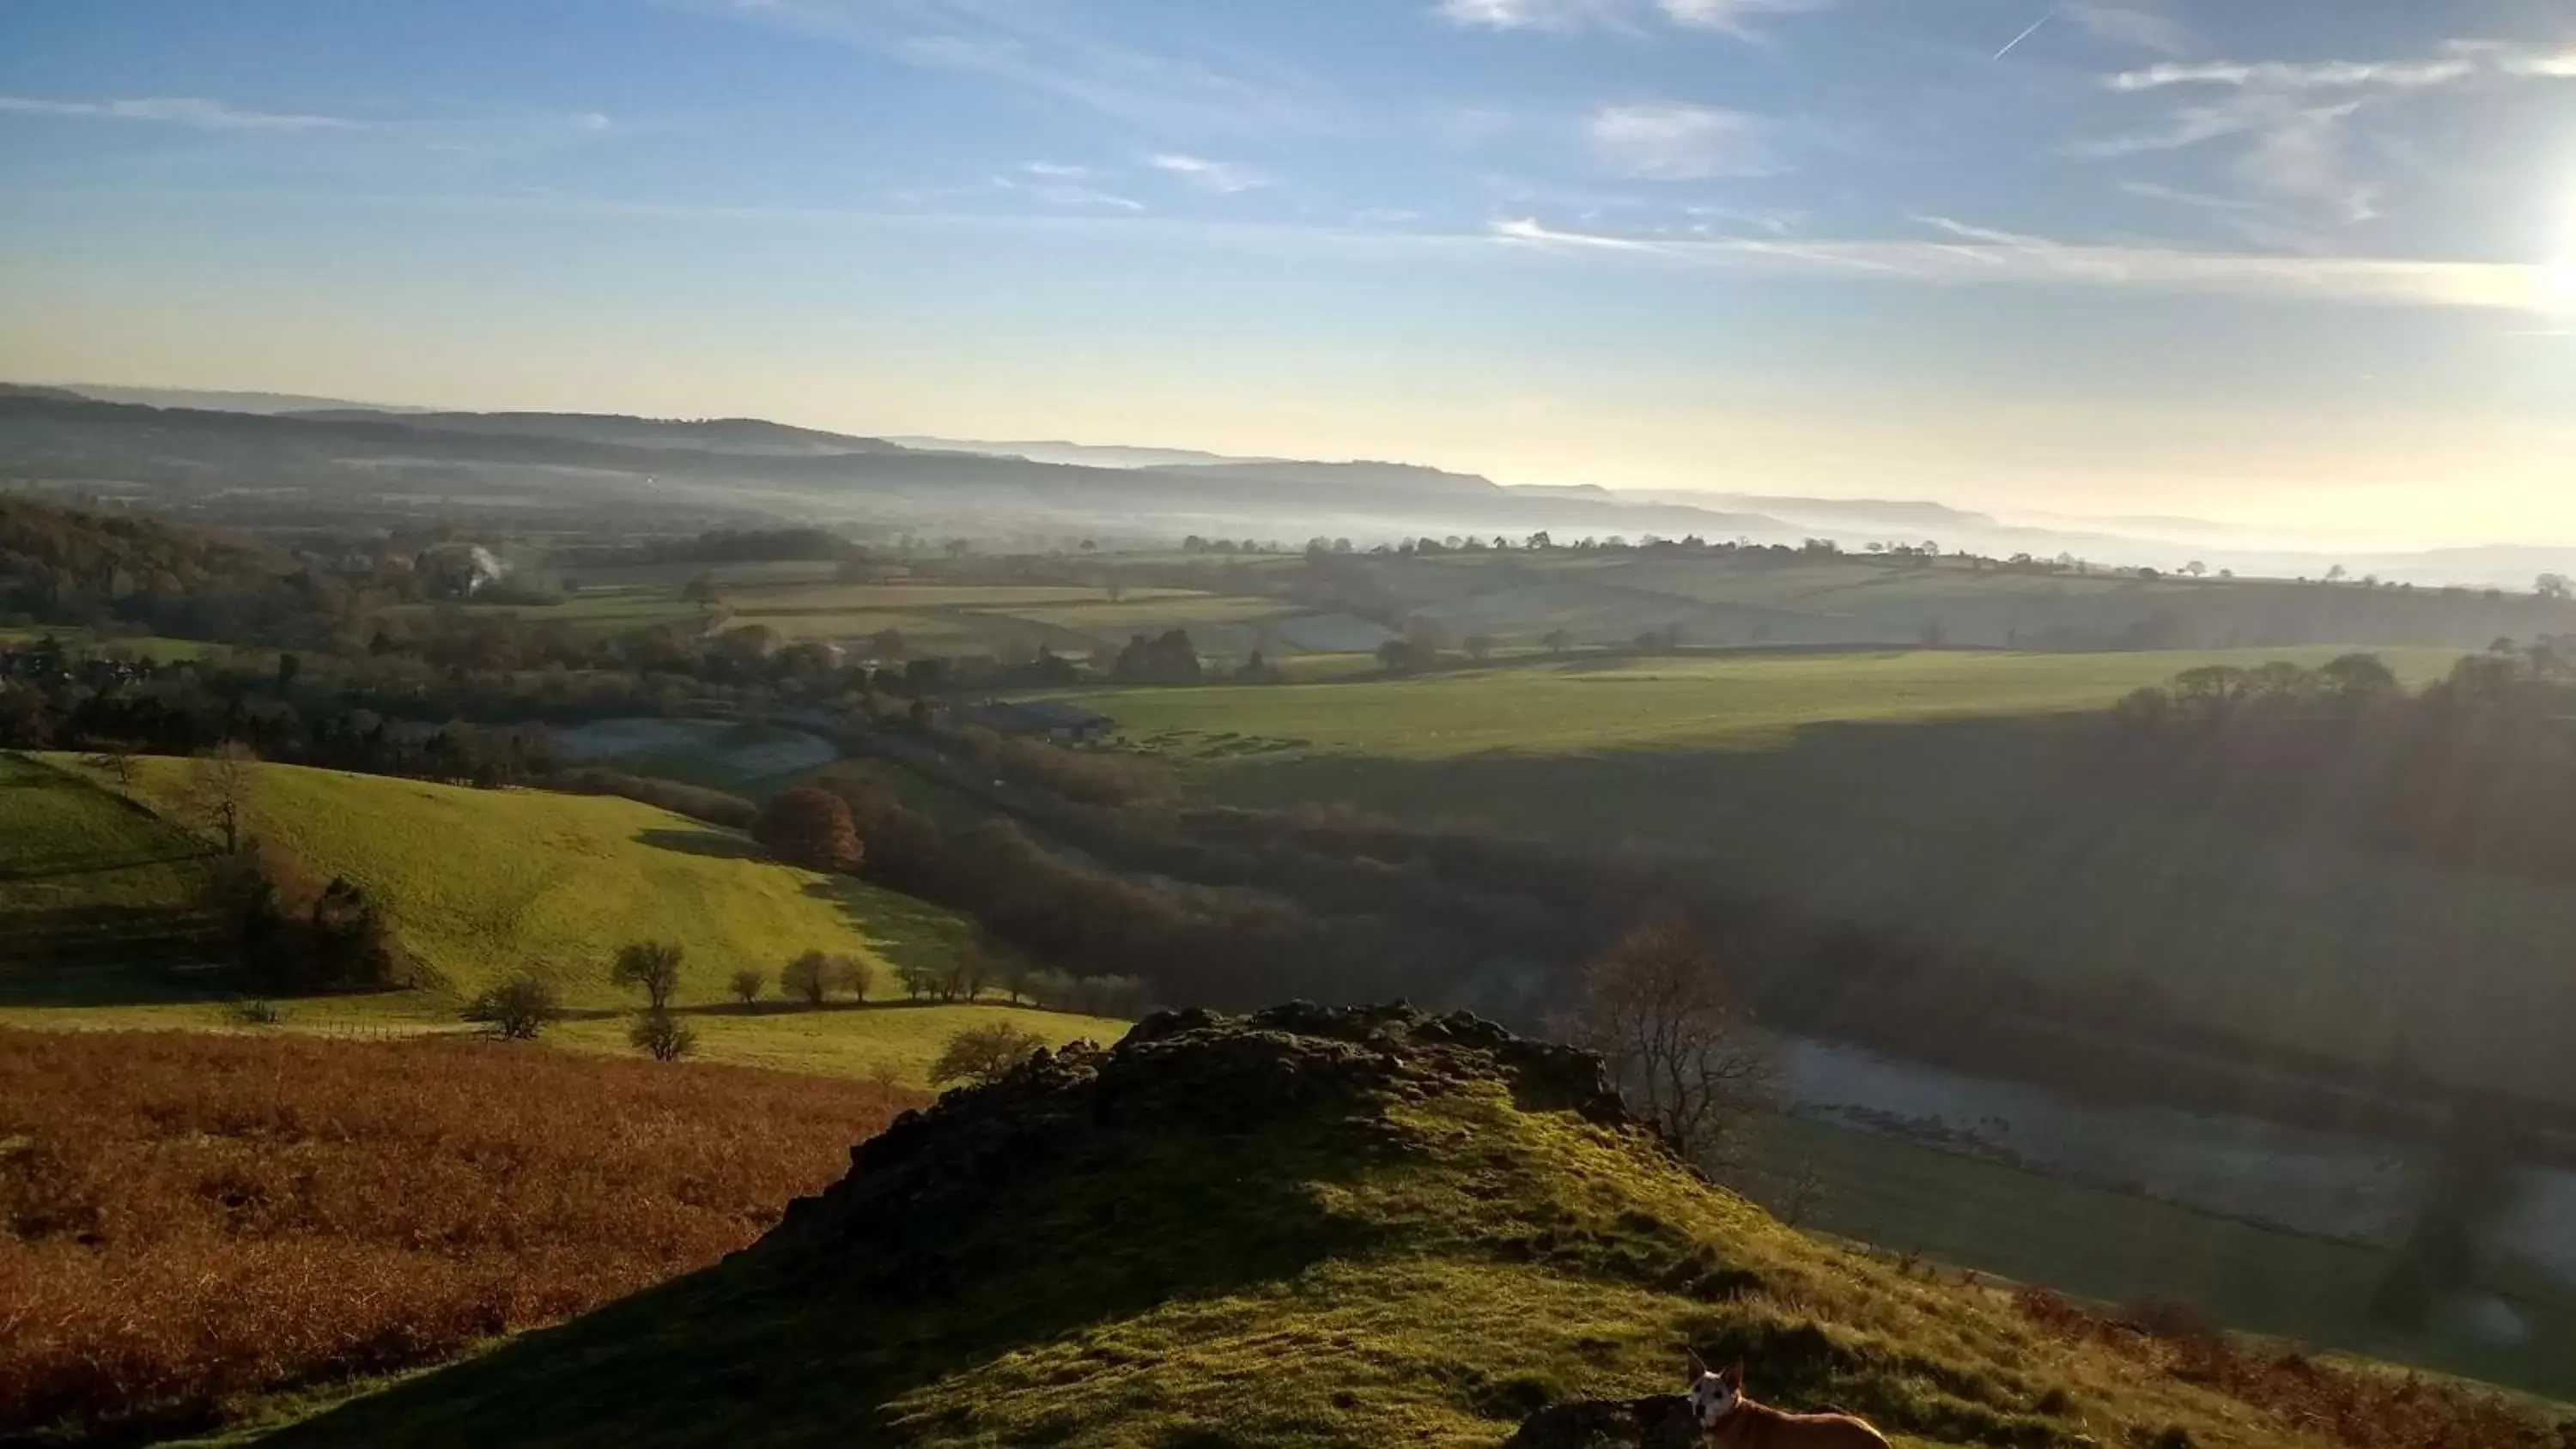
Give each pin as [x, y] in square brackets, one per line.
[2034, 30]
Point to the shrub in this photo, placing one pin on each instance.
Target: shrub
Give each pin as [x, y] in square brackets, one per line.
[256, 1011]
[662, 1036]
[516, 1009]
[746, 985]
[982, 1055]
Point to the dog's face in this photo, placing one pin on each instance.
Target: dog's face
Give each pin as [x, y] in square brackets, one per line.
[1713, 1396]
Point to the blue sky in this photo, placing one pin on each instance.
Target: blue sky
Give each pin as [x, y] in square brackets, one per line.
[2286, 261]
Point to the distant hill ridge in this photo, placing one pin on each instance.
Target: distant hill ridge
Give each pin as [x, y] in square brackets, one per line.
[739, 435]
[217, 438]
[1412, 476]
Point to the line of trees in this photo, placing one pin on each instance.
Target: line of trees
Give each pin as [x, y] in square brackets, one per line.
[2476, 769]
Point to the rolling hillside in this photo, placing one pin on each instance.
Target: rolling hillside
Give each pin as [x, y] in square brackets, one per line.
[480, 883]
[1357, 1228]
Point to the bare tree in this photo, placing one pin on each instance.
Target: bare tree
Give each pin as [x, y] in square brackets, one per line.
[220, 783]
[1806, 1192]
[1659, 1009]
[119, 760]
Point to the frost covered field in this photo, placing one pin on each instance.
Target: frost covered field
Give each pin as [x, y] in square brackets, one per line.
[2361, 1189]
[706, 750]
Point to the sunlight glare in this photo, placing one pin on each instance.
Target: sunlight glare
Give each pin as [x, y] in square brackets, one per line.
[2558, 274]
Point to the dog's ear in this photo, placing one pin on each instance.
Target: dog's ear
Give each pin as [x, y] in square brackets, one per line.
[1699, 1366]
[1733, 1378]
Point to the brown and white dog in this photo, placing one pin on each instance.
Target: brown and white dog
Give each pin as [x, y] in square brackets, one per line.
[1727, 1418]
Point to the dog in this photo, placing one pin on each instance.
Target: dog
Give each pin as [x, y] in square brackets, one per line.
[1729, 1419]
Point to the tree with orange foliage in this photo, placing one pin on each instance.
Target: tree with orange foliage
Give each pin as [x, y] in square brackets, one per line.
[809, 827]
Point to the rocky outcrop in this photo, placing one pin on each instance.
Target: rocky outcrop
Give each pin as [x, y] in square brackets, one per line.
[1194, 1070]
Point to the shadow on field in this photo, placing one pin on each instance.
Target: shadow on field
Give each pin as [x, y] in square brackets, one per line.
[905, 930]
[711, 843]
[768, 1007]
[64, 864]
[2050, 846]
[136, 962]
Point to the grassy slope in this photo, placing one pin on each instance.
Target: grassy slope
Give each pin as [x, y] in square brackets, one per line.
[477, 882]
[482, 882]
[1421, 1271]
[97, 898]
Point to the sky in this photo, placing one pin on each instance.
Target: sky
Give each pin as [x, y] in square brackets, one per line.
[2279, 262]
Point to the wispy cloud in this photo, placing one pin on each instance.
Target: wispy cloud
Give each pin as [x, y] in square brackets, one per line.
[1057, 51]
[191, 111]
[1662, 141]
[2301, 75]
[1056, 170]
[1729, 16]
[1732, 16]
[1536, 14]
[2130, 25]
[2294, 119]
[1069, 194]
[1225, 178]
[2544, 63]
[1983, 255]
[2273, 228]
[2182, 196]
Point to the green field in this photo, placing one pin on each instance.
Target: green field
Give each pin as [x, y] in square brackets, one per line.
[1749, 700]
[480, 883]
[100, 924]
[883, 1039]
[1856, 600]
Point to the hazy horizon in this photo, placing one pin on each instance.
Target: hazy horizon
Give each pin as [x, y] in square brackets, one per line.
[2311, 268]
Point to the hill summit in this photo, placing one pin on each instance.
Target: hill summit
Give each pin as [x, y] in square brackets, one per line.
[1305, 1227]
